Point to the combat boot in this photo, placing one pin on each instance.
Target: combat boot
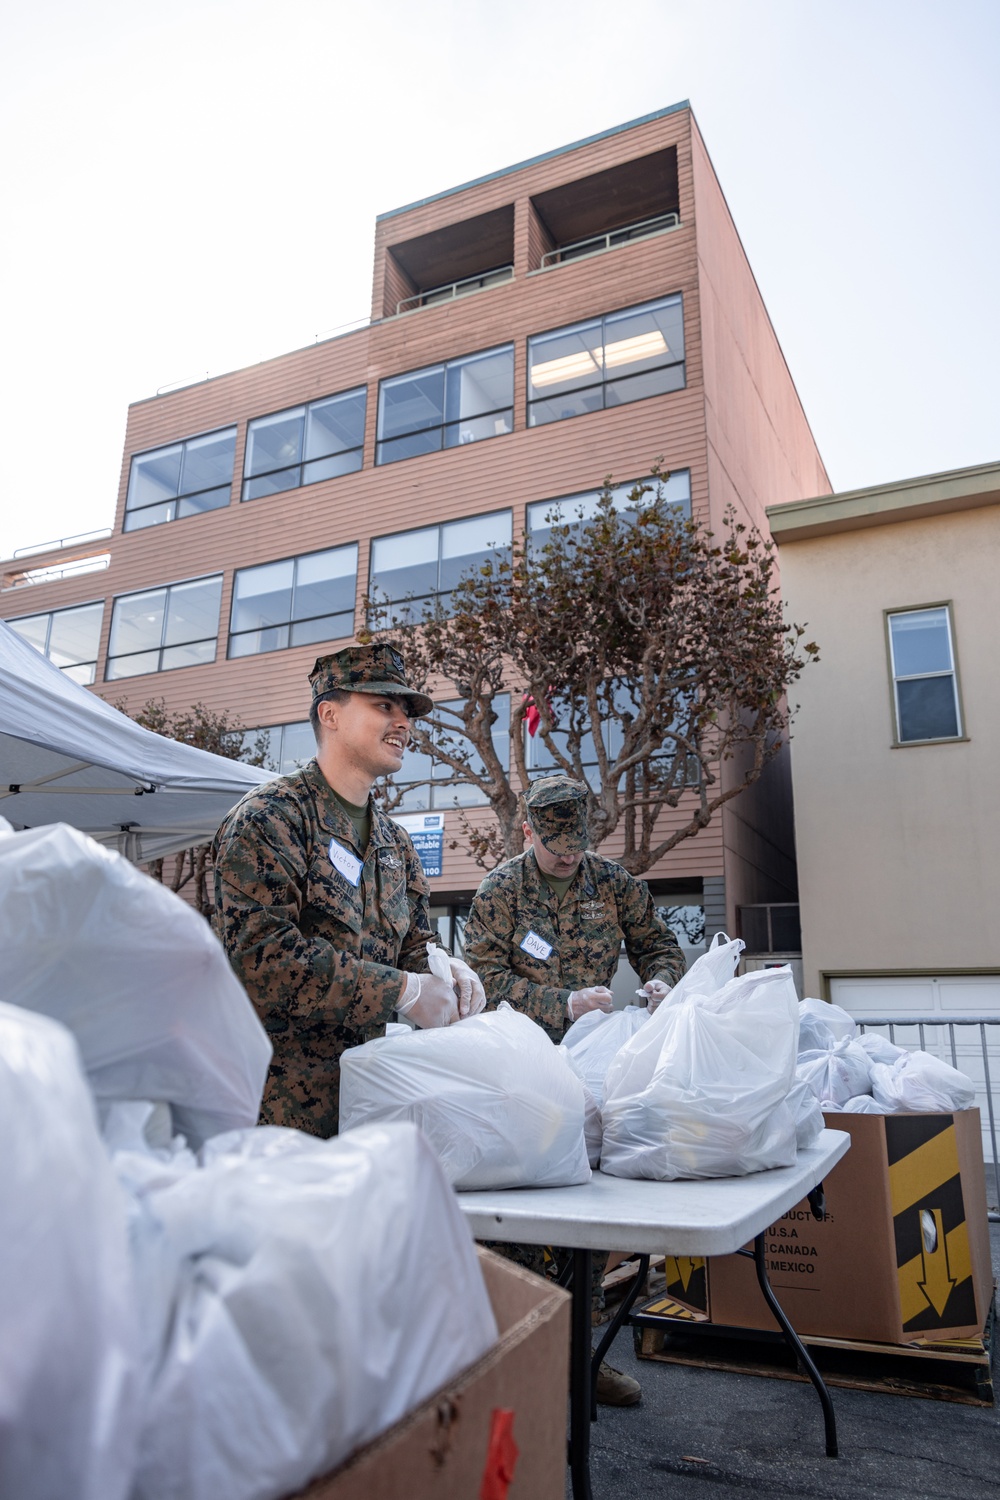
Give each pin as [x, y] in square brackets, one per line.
[615, 1388]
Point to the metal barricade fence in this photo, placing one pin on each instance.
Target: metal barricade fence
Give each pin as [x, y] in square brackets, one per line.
[960, 1052]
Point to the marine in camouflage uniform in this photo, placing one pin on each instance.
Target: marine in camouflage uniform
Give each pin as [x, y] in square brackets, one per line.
[573, 943]
[320, 957]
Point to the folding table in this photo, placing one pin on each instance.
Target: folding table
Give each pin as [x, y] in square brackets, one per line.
[717, 1216]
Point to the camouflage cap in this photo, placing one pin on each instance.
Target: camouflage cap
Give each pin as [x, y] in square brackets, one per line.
[367, 669]
[557, 811]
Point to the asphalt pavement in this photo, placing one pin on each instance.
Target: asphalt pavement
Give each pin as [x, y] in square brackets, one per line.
[709, 1435]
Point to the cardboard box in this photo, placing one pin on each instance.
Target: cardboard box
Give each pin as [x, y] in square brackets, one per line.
[442, 1450]
[904, 1253]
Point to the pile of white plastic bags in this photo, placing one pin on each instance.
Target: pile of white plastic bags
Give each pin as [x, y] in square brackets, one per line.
[866, 1073]
[194, 1315]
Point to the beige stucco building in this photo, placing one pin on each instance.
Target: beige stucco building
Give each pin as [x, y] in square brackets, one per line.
[895, 744]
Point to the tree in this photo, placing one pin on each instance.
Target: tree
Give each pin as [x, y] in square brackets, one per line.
[222, 734]
[649, 657]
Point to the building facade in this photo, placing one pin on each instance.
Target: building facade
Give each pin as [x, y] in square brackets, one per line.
[894, 751]
[583, 314]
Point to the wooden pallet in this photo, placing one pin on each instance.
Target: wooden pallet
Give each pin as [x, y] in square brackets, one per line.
[957, 1370]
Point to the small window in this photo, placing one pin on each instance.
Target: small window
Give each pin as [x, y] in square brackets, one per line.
[426, 768]
[444, 406]
[574, 510]
[295, 602]
[305, 445]
[609, 361]
[411, 568]
[161, 629]
[68, 637]
[925, 687]
[289, 746]
[182, 479]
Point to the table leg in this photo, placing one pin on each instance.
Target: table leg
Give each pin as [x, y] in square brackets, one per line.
[611, 1332]
[579, 1377]
[830, 1422]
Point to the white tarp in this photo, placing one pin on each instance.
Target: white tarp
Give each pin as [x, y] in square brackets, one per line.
[77, 760]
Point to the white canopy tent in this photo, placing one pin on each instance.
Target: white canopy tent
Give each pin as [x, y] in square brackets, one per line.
[66, 756]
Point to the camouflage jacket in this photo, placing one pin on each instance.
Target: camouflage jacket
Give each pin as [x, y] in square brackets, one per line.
[319, 957]
[584, 931]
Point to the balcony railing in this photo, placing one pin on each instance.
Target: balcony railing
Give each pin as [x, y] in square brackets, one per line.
[66, 541]
[32, 576]
[454, 289]
[596, 245]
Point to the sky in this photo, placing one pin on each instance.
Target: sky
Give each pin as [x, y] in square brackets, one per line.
[192, 187]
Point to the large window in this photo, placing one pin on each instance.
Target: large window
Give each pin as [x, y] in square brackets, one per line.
[607, 361]
[575, 510]
[409, 569]
[68, 637]
[925, 688]
[164, 628]
[427, 768]
[541, 762]
[304, 445]
[442, 406]
[181, 479]
[294, 602]
[289, 746]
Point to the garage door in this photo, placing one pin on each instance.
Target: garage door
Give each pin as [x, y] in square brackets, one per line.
[940, 997]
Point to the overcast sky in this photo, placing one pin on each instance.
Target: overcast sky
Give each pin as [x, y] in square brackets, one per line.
[190, 187]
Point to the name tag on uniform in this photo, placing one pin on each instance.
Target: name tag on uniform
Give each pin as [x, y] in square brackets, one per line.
[536, 946]
[346, 863]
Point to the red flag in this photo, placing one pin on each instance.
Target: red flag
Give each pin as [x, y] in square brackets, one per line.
[531, 715]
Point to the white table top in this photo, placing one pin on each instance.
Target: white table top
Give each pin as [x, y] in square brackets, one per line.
[711, 1217]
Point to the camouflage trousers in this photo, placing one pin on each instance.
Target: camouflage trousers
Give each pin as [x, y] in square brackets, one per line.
[551, 1261]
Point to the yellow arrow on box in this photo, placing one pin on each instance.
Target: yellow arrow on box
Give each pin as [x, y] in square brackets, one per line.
[938, 1283]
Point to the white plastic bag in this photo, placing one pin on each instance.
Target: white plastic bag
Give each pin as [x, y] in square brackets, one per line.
[863, 1104]
[491, 1093]
[135, 974]
[921, 1082]
[879, 1048]
[709, 972]
[836, 1072]
[591, 1042]
[323, 1290]
[700, 1090]
[806, 1113]
[822, 1023]
[69, 1380]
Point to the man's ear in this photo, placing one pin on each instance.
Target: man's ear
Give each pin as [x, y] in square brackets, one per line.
[327, 714]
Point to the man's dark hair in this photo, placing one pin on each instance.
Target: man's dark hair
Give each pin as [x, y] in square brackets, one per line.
[335, 695]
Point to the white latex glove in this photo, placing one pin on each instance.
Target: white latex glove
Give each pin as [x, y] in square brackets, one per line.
[594, 998]
[428, 1001]
[655, 991]
[471, 995]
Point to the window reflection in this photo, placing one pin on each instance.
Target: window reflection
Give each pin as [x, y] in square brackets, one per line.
[412, 568]
[160, 629]
[305, 444]
[296, 602]
[446, 405]
[610, 361]
[181, 479]
[68, 637]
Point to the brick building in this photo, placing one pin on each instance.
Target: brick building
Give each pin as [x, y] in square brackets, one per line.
[581, 314]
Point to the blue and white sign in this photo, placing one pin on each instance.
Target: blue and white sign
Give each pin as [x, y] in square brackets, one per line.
[427, 833]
